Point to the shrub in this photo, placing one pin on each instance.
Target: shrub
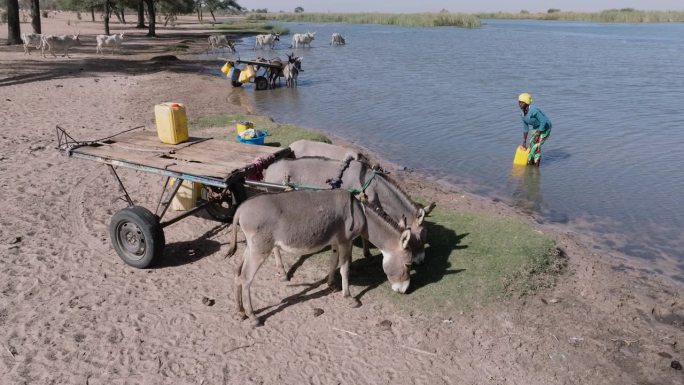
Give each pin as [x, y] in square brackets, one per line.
[44, 14]
[78, 15]
[553, 10]
[3, 17]
[299, 10]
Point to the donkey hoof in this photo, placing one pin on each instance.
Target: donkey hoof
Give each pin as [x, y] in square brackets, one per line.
[353, 302]
[332, 287]
[256, 322]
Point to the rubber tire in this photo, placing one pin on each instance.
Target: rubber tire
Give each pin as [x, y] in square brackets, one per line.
[236, 84]
[261, 83]
[225, 215]
[140, 223]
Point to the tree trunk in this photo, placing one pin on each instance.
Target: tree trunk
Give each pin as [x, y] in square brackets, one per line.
[118, 16]
[107, 11]
[151, 18]
[212, 14]
[141, 15]
[92, 13]
[13, 27]
[35, 16]
[199, 16]
[123, 16]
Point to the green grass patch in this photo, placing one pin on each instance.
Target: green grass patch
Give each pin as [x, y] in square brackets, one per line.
[625, 15]
[472, 260]
[250, 27]
[440, 19]
[280, 134]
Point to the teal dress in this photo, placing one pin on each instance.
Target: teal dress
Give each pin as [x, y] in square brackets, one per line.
[541, 125]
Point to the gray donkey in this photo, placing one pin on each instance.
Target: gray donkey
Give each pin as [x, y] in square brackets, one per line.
[352, 174]
[303, 222]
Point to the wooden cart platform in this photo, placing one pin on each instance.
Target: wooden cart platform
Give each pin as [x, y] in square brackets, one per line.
[210, 161]
[221, 166]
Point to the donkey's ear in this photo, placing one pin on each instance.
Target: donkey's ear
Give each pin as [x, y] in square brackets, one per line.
[420, 216]
[429, 208]
[402, 222]
[405, 237]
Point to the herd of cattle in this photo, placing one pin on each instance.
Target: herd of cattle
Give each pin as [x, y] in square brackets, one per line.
[298, 39]
[62, 43]
[356, 200]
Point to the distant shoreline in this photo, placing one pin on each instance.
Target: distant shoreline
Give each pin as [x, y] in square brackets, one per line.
[468, 20]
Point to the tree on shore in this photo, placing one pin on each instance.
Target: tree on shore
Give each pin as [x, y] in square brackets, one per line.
[13, 26]
[151, 15]
[226, 5]
[141, 15]
[35, 16]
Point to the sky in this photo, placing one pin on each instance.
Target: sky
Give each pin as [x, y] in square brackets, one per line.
[458, 6]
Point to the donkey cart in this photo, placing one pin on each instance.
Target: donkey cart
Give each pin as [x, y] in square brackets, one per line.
[262, 77]
[220, 166]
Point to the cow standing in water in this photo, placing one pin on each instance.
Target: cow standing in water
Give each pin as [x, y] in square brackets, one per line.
[337, 39]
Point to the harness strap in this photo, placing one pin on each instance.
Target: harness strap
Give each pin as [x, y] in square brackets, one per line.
[365, 185]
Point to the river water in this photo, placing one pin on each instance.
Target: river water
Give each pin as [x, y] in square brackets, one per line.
[443, 101]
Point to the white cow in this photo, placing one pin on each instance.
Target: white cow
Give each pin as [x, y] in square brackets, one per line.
[58, 43]
[337, 39]
[113, 41]
[34, 40]
[303, 39]
[268, 40]
[220, 41]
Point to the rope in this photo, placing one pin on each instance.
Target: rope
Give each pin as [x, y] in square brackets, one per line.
[365, 185]
[336, 182]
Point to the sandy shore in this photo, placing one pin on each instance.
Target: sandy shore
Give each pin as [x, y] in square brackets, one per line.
[72, 313]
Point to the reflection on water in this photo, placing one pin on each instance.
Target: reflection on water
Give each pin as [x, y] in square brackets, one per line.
[527, 194]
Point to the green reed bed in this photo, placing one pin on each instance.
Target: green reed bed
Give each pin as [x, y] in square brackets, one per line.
[626, 15]
[441, 19]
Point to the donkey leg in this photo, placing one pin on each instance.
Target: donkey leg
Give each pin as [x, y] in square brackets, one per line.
[366, 248]
[238, 285]
[280, 269]
[249, 268]
[332, 266]
[345, 261]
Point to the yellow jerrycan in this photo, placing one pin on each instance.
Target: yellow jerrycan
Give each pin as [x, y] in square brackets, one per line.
[172, 123]
[226, 68]
[521, 154]
[246, 74]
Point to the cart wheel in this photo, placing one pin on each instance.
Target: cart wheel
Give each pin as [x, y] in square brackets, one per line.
[136, 236]
[261, 83]
[223, 211]
[236, 84]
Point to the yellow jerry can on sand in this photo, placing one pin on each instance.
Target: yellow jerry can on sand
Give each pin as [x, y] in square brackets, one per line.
[187, 195]
[226, 68]
[521, 156]
[172, 123]
[246, 74]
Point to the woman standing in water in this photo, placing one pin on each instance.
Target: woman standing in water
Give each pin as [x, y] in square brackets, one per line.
[533, 117]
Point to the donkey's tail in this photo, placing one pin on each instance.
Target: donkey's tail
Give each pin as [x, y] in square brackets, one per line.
[233, 246]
